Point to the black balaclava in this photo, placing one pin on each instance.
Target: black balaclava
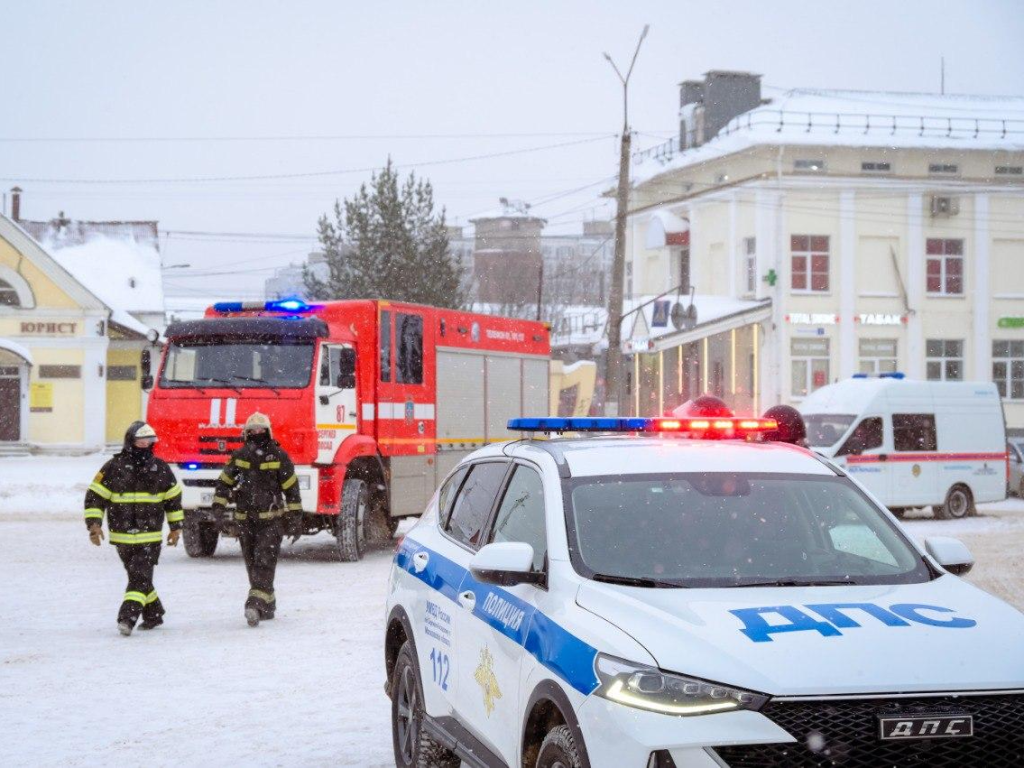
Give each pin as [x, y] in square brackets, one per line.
[259, 439]
[137, 455]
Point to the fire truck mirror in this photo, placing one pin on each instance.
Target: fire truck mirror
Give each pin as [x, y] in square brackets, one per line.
[347, 368]
[147, 376]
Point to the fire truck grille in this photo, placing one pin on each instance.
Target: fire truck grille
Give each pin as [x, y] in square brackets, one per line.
[846, 733]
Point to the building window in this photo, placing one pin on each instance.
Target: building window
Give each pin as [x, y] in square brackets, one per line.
[944, 169]
[8, 296]
[1008, 368]
[944, 360]
[1009, 170]
[122, 373]
[810, 365]
[944, 273]
[809, 262]
[809, 166]
[872, 166]
[60, 371]
[750, 261]
[877, 356]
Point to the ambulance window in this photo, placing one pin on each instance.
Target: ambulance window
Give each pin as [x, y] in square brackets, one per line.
[866, 436]
[474, 501]
[444, 501]
[914, 432]
[385, 346]
[409, 346]
[521, 514]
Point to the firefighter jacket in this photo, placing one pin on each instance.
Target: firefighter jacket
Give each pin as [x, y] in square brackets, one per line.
[136, 491]
[261, 480]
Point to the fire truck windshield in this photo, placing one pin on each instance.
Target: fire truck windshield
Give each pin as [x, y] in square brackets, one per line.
[196, 363]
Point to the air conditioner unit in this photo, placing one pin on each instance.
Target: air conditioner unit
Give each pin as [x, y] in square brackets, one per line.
[945, 206]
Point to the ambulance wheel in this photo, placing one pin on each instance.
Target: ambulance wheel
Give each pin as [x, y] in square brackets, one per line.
[559, 750]
[350, 529]
[414, 748]
[200, 538]
[959, 504]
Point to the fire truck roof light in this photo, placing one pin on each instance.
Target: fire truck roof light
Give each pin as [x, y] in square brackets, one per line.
[286, 305]
[716, 427]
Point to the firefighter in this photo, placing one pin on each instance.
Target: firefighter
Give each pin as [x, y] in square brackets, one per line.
[136, 491]
[260, 477]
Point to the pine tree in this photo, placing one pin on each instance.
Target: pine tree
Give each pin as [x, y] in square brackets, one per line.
[386, 242]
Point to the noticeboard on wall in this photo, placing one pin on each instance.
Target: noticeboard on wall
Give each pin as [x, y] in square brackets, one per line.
[40, 397]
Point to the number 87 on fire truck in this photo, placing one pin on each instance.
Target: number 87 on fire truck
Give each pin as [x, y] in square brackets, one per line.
[374, 401]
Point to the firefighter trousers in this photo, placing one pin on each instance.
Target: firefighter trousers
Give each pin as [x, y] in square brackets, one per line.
[140, 598]
[261, 545]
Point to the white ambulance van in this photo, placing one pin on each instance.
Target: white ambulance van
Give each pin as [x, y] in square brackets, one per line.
[914, 443]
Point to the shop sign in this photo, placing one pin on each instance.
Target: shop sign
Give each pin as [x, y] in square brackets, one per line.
[40, 397]
[637, 345]
[1011, 322]
[49, 329]
[806, 318]
[880, 319]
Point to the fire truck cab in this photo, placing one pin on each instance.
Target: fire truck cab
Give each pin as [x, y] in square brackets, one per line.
[374, 401]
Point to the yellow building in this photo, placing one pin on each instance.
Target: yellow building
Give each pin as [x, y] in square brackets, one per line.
[70, 363]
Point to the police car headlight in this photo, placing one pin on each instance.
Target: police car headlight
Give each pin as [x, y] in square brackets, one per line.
[642, 687]
[304, 482]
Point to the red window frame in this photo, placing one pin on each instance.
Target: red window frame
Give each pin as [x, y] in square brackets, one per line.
[944, 266]
[809, 263]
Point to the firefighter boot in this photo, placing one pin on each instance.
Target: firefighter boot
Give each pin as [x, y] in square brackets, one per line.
[252, 615]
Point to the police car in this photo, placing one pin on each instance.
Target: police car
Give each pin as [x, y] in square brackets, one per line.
[682, 594]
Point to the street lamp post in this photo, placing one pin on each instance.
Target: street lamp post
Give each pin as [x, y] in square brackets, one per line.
[613, 370]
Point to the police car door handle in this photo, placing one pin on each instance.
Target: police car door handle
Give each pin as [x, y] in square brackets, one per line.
[467, 600]
[419, 561]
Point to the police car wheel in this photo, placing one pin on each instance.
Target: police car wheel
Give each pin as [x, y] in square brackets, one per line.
[959, 504]
[350, 528]
[559, 750]
[200, 538]
[413, 747]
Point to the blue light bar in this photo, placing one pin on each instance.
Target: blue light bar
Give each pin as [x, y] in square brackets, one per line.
[228, 306]
[285, 305]
[288, 305]
[588, 424]
[892, 375]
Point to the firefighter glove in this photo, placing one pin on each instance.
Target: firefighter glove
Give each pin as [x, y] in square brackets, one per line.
[172, 537]
[96, 534]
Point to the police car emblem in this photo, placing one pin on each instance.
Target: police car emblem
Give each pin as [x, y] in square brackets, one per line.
[945, 726]
[485, 678]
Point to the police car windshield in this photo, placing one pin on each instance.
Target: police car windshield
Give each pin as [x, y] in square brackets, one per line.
[825, 429]
[237, 364]
[733, 530]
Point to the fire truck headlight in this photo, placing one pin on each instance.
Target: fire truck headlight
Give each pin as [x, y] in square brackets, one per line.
[304, 483]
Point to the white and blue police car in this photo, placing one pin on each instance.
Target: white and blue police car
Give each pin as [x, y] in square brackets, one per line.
[684, 595]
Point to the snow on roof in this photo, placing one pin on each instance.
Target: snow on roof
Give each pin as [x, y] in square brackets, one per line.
[9, 345]
[509, 209]
[812, 117]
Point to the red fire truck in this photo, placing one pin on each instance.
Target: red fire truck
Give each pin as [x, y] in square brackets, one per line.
[375, 401]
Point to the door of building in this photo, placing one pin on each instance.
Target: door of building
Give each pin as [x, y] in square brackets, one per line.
[10, 404]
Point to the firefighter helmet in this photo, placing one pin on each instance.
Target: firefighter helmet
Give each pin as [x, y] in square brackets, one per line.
[791, 427]
[256, 421]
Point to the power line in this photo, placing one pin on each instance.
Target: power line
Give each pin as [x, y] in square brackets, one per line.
[309, 174]
[286, 138]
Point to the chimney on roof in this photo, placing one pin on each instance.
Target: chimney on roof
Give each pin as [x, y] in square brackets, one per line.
[706, 106]
[16, 203]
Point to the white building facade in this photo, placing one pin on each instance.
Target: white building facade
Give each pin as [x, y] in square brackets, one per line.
[887, 231]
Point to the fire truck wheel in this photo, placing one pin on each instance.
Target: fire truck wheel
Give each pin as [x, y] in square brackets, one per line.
[200, 538]
[351, 526]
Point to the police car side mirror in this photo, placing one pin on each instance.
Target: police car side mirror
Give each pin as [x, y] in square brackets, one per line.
[506, 564]
[951, 554]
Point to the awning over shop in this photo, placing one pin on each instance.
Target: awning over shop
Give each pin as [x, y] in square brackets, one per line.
[715, 315]
[665, 229]
[16, 349]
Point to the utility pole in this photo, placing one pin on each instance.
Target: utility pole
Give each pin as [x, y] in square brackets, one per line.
[613, 369]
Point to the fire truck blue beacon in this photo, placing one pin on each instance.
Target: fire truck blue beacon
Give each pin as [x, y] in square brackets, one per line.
[686, 591]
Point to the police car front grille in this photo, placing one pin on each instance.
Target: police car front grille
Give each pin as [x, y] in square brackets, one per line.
[845, 733]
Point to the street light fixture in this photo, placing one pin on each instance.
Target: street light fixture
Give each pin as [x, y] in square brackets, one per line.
[613, 370]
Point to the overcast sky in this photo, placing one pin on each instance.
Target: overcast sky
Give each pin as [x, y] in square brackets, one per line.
[266, 88]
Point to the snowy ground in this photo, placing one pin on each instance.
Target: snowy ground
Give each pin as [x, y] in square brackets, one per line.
[205, 689]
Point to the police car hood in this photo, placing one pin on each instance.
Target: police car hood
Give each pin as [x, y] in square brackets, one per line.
[943, 635]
